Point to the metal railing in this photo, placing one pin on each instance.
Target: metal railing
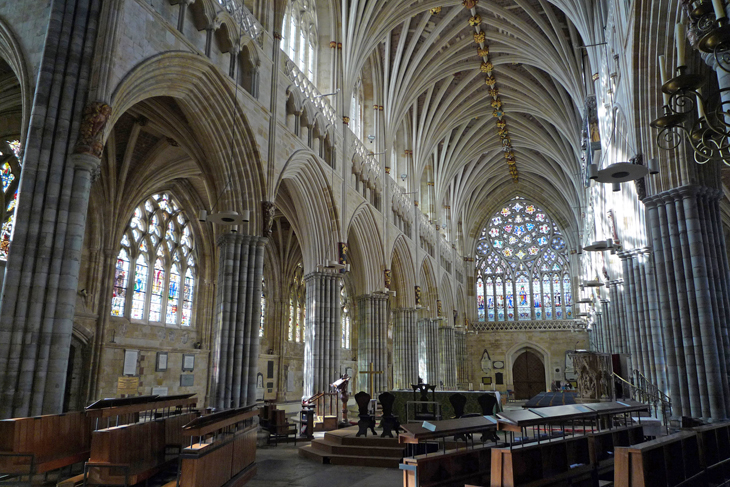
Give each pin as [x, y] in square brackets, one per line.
[642, 390]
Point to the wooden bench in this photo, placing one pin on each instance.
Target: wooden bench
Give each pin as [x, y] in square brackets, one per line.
[448, 467]
[221, 451]
[30, 446]
[714, 443]
[672, 460]
[129, 452]
[558, 461]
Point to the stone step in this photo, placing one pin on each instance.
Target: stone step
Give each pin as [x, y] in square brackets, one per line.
[316, 455]
[370, 440]
[332, 448]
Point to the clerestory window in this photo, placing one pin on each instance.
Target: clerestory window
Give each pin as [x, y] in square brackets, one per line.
[300, 36]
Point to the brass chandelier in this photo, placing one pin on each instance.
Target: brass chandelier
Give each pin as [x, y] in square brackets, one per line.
[688, 115]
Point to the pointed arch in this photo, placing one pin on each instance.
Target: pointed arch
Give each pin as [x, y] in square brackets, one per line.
[364, 242]
[223, 134]
[429, 292]
[305, 196]
[404, 275]
[446, 296]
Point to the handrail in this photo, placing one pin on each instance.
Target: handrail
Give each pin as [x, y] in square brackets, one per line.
[323, 406]
[641, 389]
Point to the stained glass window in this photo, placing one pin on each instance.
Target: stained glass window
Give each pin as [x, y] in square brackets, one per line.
[10, 169]
[140, 288]
[173, 295]
[121, 275]
[522, 266]
[7, 176]
[292, 319]
[480, 299]
[163, 263]
[298, 311]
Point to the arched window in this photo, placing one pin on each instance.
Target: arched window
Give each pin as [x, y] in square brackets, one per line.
[522, 267]
[10, 168]
[297, 308]
[164, 265]
[300, 36]
[345, 317]
[263, 307]
[356, 109]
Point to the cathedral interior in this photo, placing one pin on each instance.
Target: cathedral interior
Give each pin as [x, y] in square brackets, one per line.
[247, 200]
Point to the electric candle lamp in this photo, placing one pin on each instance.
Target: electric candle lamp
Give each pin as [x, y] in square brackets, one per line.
[663, 73]
[719, 9]
[681, 40]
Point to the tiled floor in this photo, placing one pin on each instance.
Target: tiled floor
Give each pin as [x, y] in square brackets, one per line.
[282, 466]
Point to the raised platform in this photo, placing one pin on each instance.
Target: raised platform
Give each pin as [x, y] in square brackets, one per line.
[342, 447]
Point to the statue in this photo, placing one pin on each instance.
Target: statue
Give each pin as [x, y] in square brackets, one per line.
[91, 130]
[268, 209]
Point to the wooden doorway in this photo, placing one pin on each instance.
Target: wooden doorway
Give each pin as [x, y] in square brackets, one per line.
[528, 373]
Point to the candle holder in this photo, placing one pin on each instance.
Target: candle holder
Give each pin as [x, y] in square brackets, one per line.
[717, 42]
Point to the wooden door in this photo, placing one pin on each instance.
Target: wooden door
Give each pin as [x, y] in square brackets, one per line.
[528, 374]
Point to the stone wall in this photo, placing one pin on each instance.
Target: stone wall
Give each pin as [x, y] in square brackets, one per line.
[506, 346]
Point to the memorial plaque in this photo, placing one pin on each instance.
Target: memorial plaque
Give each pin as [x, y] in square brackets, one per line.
[186, 380]
[127, 385]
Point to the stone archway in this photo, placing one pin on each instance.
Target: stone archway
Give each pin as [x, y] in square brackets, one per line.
[528, 374]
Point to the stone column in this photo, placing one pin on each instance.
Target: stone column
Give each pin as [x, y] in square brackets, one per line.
[691, 275]
[39, 289]
[405, 346]
[372, 345]
[238, 301]
[323, 332]
[462, 374]
[428, 355]
[447, 356]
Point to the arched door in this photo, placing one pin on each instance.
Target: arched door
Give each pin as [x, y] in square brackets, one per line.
[528, 374]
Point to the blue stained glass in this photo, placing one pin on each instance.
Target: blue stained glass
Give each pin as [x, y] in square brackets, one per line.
[173, 296]
[7, 176]
[140, 288]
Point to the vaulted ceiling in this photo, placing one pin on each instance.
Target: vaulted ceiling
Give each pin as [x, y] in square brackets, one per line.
[436, 87]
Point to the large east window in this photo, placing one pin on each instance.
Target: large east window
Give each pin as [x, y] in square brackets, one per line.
[155, 272]
[522, 270]
[10, 169]
[300, 36]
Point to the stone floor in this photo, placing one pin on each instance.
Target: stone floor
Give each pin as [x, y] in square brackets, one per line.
[282, 466]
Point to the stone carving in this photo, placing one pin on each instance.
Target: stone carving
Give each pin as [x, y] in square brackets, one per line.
[91, 131]
[388, 277]
[269, 210]
[184, 337]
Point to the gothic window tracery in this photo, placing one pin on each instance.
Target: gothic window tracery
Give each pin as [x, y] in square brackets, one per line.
[263, 307]
[300, 36]
[356, 109]
[523, 271]
[162, 275]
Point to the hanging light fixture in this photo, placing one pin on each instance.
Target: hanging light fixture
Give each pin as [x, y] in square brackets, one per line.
[688, 115]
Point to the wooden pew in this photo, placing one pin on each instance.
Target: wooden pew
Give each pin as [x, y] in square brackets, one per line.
[672, 460]
[714, 443]
[449, 466]
[131, 453]
[30, 446]
[221, 451]
[557, 461]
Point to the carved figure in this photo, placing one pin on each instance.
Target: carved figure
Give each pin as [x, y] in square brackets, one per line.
[91, 130]
[269, 210]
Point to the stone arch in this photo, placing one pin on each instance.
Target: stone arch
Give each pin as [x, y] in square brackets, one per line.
[365, 247]
[446, 296]
[460, 306]
[12, 53]
[310, 208]
[404, 276]
[526, 346]
[223, 132]
[429, 292]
